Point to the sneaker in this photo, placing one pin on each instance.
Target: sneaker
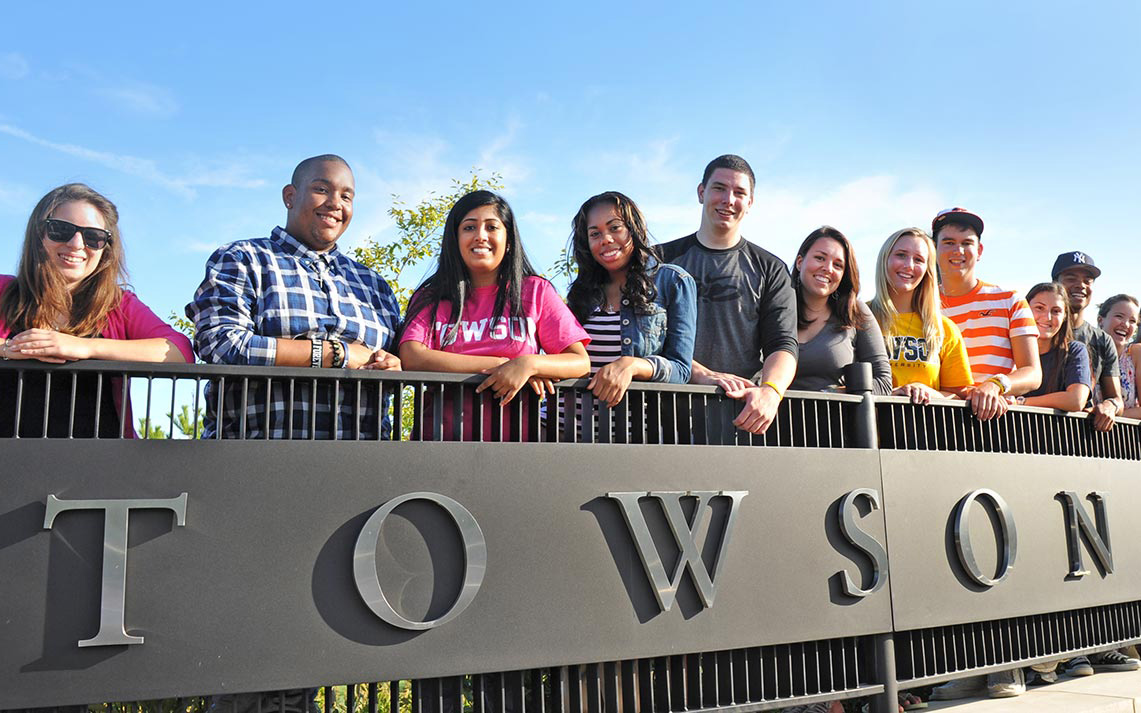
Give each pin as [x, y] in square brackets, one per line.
[1079, 666]
[1006, 684]
[1041, 678]
[1114, 661]
[970, 687]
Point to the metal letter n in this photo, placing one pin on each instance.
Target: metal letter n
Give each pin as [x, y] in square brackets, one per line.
[1078, 520]
[685, 534]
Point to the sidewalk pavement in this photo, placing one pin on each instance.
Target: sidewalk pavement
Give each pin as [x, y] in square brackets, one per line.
[1117, 692]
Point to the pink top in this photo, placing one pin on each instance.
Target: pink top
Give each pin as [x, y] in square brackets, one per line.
[546, 324]
[130, 320]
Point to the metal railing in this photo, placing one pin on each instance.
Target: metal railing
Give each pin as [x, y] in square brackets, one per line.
[107, 401]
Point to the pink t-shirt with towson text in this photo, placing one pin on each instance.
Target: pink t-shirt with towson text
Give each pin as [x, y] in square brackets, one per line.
[547, 325]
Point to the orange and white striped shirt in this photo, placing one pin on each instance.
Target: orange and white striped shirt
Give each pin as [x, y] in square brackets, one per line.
[989, 316]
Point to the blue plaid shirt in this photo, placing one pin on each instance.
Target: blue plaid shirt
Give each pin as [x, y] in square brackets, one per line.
[258, 291]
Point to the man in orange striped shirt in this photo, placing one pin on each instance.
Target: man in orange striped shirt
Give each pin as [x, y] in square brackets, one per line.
[997, 324]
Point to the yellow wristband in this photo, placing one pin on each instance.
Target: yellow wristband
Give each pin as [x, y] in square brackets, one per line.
[773, 386]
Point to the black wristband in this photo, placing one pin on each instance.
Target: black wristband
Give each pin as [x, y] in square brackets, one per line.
[318, 352]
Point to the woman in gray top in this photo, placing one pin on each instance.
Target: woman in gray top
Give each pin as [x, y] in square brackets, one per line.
[833, 327]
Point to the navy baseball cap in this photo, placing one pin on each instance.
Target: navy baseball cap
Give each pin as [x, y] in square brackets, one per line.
[1074, 259]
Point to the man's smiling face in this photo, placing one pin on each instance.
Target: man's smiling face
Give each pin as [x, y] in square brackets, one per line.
[320, 205]
[726, 198]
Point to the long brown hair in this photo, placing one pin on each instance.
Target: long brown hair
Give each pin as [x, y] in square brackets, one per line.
[39, 299]
[843, 302]
[1060, 342]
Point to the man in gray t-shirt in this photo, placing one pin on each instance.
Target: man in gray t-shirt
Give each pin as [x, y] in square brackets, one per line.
[1076, 272]
[746, 309]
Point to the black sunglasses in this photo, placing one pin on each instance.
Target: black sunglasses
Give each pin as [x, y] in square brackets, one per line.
[62, 231]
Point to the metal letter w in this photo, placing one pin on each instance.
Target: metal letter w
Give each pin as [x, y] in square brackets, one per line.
[685, 534]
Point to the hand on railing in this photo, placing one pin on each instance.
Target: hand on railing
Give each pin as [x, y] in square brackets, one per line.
[46, 345]
[920, 394]
[379, 359]
[986, 402]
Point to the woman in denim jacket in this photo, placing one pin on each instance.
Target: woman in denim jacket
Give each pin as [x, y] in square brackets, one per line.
[641, 314]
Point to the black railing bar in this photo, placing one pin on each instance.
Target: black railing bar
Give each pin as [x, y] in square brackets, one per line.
[47, 403]
[357, 411]
[197, 398]
[71, 406]
[313, 412]
[397, 411]
[335, 415]
[1015, 663]
[221, 402]
[124, 403]
[437, 413]
[243, 424]
[173, 390]
[147, 412]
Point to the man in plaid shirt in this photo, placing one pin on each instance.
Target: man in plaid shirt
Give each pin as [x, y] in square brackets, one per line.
[293, 299]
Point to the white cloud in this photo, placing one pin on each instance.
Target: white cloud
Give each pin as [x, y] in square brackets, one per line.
[496, 156]
[221, 175]
[13, 66]
[142, 99]
[16, 199]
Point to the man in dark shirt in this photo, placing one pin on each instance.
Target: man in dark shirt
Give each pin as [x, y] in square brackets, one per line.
[746, 309]
[1076, 272]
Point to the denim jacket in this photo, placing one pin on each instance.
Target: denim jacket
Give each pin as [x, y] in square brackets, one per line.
[664, 335]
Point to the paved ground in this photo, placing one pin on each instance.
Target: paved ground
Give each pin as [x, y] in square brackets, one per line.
[1102, 692]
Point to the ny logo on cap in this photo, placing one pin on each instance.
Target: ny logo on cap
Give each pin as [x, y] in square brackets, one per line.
[1080, 258]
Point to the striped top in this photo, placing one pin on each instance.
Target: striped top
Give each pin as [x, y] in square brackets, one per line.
[605, 345]
[989, 316]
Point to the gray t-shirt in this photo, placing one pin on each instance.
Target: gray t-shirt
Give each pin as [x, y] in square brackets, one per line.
[746, 308]
[823, 358]
[1102, 354]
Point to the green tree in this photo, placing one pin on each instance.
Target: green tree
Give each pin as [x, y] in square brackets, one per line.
[154, 433]
[418, 232]
[188, 427]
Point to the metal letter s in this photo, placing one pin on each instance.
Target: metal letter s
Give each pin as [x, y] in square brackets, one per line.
[863, 542]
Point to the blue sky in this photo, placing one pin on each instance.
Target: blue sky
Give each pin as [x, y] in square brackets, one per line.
[867, 116]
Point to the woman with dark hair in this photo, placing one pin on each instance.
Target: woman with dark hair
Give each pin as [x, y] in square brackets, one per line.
[68, 302]
[1118, 317]
[1065, 361]
[834, 328]
[640, 313]
[485, 310]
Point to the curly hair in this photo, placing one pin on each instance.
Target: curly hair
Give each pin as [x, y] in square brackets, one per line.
[587, 292]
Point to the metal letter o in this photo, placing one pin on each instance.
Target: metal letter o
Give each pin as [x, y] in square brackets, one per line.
[368, 579]
[1008, 534]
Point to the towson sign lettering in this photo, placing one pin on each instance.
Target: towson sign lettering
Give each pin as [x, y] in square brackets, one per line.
[671, 505]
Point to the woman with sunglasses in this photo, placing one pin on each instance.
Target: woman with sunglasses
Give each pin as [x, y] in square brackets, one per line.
[67, 302]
